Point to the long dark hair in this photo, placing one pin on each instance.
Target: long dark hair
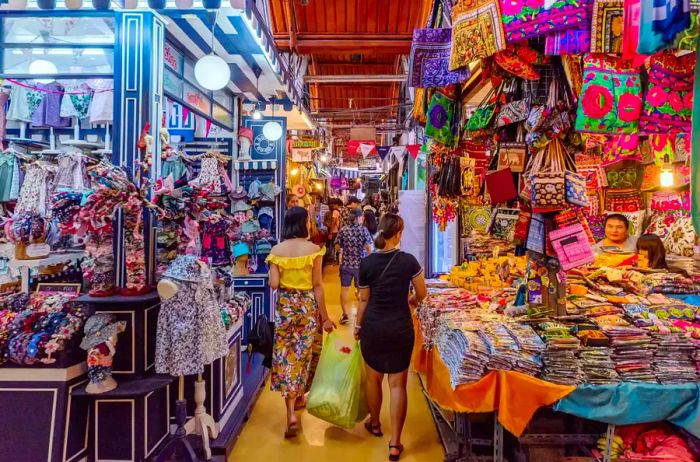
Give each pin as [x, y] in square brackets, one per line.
[655, 248]
[389, 226]
[296, 223]
[370, 222]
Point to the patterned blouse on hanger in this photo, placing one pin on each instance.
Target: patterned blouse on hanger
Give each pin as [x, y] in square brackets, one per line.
[76, 100]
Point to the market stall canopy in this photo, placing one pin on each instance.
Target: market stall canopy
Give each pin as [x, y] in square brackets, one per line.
[355, 51]
[240, 40]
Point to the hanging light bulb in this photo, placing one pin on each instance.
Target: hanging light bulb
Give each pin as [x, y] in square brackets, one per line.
[666, 176]
[211, 71]
[257, 114]
[43, 67]
[294, 172]
[323, 158]
[272, 130]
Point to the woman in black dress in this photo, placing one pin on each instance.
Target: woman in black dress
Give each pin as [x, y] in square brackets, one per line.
[385, 326]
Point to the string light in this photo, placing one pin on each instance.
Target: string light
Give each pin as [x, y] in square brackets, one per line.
[666, 177]
[294, 172]
[323, 158]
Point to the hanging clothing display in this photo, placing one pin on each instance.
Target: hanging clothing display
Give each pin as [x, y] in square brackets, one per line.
[23, 102]
[9, 177]
[48, 112]
[76, 100]
[4, 98]
[33, 195]
[102, 105]
[190, 330]
[71, 173]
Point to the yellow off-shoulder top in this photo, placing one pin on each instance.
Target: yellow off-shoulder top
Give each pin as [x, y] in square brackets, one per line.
[296, 272]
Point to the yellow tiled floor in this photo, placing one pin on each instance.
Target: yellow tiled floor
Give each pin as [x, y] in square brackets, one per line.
[262, 437]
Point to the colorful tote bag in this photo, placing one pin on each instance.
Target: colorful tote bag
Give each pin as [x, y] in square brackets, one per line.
[624, 200]
[523, 19]
[440, 120]
[576, 189]
[620, 148]
[668, 103]
[607, 25]
[574, 41]
[475, 218]
[504, 222]
[429, 60]
[536, 235]
[571, 246]
[477, 32]
[548, 179]
[611, 97]
[512, 155]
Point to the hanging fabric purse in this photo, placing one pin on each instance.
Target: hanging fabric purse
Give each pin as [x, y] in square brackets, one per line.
[516, 110]
[522, 227]
[430, 55]
[504, 222]
[536, 235]
[440, 120]
[475, 218]
[548, 179]
[420, 106]
[611, 96]
[499, 184]
[512, 154]
[571, 246]
[575, 182]
[524, 19]
[482, 117]
[625, 200]
[477, 32]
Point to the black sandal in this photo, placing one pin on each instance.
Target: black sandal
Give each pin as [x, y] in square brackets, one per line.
[395, 457]
[375, 430]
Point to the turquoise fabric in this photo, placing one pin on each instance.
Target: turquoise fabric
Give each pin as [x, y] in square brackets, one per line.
[7, 173]
[649, 41]
[629, 403]
[174, 166]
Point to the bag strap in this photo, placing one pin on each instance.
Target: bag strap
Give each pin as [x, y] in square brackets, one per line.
[388, 265]
[435, 12]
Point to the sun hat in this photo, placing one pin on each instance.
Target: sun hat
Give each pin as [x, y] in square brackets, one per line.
[250, 227]
[99, 328]
[187, 268]
[239, 193]
[245, 132]
[240, 249]
[241, 206]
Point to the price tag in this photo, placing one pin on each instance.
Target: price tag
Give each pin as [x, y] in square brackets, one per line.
[38, 250]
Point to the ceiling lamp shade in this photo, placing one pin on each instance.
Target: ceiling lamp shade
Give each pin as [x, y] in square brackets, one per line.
[43, 67]
[157, 4]
[131, 4]
[184, 4]
[74, 4]
[272, 131]
[15, 5]
[101, 5]
[211, 4]
[212, 72]
[46, 4]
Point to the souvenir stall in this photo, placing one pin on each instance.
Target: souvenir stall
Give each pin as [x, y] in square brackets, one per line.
[105, 201]
[537, 132]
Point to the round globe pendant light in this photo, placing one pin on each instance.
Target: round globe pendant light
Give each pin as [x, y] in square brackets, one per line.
[272, 130]
[43, 67]
[131, 4]
[74, 4]
[184, 4]
[211, 71]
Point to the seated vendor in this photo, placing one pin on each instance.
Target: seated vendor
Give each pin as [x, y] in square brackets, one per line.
[617, 239]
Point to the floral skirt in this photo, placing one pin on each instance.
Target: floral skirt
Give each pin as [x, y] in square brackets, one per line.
[298, 342]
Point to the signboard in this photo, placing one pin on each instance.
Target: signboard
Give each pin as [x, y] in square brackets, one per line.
[173, 58]
[69, 288]
[311, 143]
[367, 164]
[262, 148]
[302, 155]
[197, 99]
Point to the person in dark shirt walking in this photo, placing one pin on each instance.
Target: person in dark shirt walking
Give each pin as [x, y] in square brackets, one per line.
[354, 242]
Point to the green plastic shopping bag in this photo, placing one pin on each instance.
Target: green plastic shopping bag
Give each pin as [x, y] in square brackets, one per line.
[337, 393]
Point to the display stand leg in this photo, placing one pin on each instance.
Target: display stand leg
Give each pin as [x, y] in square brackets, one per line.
[202, 423]
[24, 272]
[107, 137]
[609, 436]
[497, 439]
[76, 128]
[23, 130]
[179, 448]
[52, 140]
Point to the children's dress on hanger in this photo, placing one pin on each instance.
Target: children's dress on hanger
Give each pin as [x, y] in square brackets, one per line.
[71, 173]
[190, 332]
[9, 177]
[23, 102]
[102, 105]
[48, 112]
[76, 100]
[34, 195]
[4, 98]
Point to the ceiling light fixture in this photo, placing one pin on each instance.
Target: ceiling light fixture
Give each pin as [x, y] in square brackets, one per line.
[272, 130]
[257, 113]
[43, 67]
[211, 71]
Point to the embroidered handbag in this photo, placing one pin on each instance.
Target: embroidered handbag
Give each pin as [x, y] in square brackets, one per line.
[420, 106]
[624, 178]
[607, 26]
[571, 246]
[620, 148]
[522, 227]
[572, 217]
[430, 55]
[610, 100]
[500, 186]
[512, 155]
[576, 189]
[548, 179]
[503, 223]
[516, 109]
[668, 102]
[482, 117]
[523, 19]
[625, 200]
[475, 218]
[440, 123]
[477, 32]
[536, 235]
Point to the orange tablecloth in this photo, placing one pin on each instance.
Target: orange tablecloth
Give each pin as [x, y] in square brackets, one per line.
[514, 396]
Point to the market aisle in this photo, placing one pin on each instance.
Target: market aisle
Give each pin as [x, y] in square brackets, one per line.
[262, 440]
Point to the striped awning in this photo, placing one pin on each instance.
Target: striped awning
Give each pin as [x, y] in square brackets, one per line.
[346, 172]
[255, 165]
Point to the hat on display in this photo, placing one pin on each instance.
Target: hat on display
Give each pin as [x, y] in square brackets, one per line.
[240, 249]
[242, 206]
[519, 60]
[239, 193]
[250, 226]
[299, 190]
[99, 328]
[266, 211]
[254, 189]
[245, 132]
[187, 268]
[269, 191]
[262, 247]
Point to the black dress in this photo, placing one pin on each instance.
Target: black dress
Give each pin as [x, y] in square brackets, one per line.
[386, 337]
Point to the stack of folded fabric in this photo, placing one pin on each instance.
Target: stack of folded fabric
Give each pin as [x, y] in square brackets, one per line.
[674, 358]
[464, 353]
[503, 350]
[632, 352]
[597, 366]
[560, 363]
[531, 347]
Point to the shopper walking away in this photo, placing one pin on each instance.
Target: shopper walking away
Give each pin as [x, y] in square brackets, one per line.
[384, 324]
[354, 242]
[370, 220]
[351, 204]
[296, 270]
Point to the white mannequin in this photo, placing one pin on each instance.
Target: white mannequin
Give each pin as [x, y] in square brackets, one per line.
[202, 423]
[244, 148]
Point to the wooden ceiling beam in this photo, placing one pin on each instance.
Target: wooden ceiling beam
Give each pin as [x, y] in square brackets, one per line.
[359, 43]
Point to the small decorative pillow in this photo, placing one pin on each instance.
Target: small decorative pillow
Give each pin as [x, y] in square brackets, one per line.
[681, 237]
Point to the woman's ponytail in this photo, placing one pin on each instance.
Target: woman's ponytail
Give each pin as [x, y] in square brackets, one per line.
[389, 226]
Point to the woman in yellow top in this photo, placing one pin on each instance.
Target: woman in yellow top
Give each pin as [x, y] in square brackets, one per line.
[296, 270]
